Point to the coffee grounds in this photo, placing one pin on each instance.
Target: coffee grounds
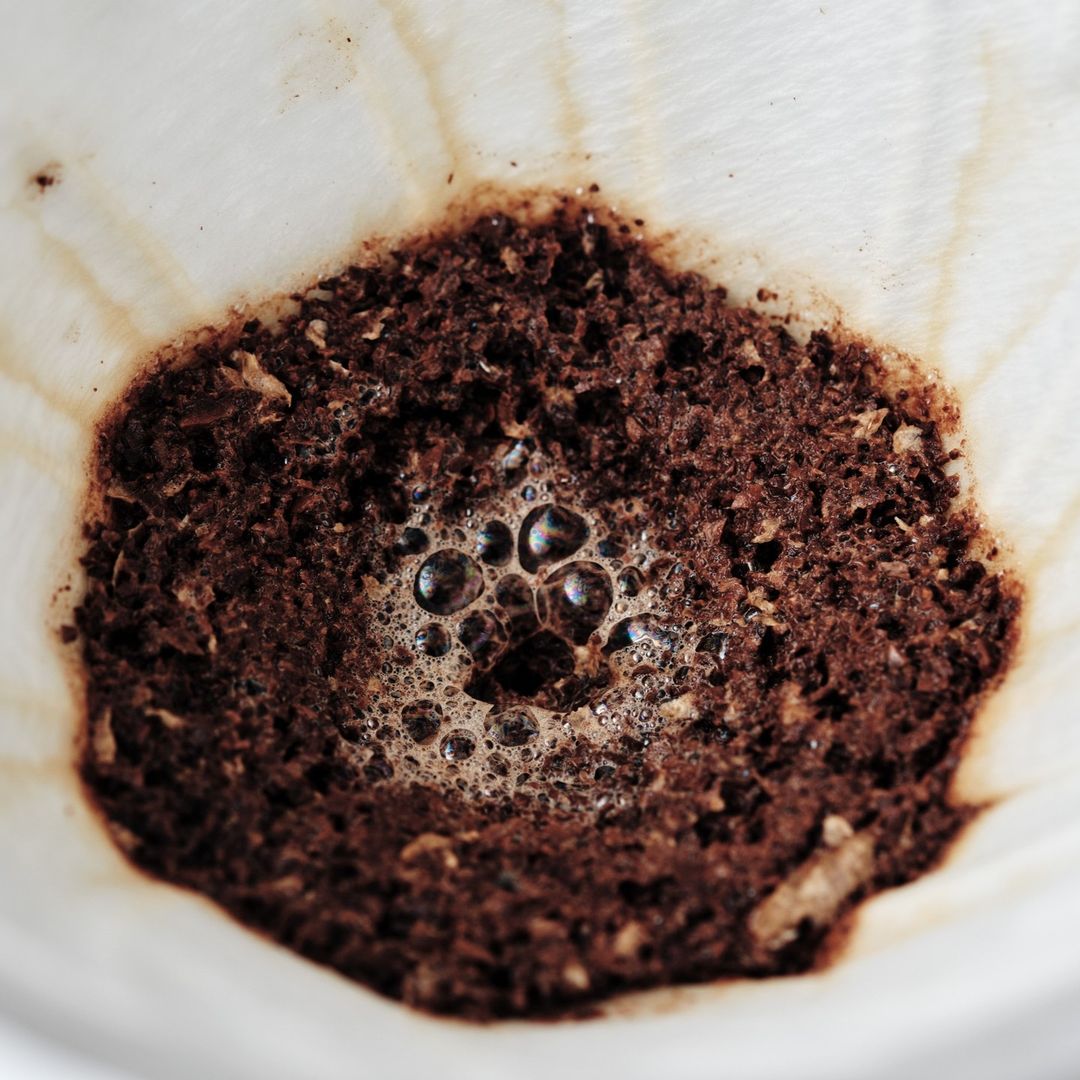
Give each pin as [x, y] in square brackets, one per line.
[519, 624]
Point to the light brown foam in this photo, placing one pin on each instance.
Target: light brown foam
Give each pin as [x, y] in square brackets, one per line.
[643, 670]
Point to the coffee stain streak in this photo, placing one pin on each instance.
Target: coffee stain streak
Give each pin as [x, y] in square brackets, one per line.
[58, 472]
[415, 195]
[895, 236]
[164, 266]
[1061, 532]
[1028, 322]
[1000, 126]
[19, 374]
[36, 713]
[1047, 634]
[1003, 128]
[41, 770]
[571, 119]
[971, 179]
[412, 40]
[25, 699]
[998, 790]
[68, 262]
[647, 149]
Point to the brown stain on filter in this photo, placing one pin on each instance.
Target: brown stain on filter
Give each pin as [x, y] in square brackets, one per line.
[83, 184]
[571, 118]
[413, 40]
[68, 262]
[66, 479]
[44, 772]
[13, 370]
[382, 106]
[163, 266]
[63, 258]
[646, 134]
[1029, 319]
[44, 178]
[1066, 524]
[1003, 127]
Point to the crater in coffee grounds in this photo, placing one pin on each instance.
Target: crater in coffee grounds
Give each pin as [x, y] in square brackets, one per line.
[518, 624]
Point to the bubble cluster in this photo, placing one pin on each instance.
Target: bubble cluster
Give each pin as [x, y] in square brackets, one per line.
[541, 632]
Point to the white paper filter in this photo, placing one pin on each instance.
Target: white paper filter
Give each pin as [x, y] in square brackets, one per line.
[914, 167]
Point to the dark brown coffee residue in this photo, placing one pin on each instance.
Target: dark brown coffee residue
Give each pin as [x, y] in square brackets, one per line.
[46, 177]
[520, 624]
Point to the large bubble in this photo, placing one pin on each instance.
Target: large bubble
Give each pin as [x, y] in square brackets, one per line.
[447, 581]
[549, 533]
[575, 600]
[432, 640]
[421, 719]
[495, 543]
[512, 727]
[481, 633]
[457, 745]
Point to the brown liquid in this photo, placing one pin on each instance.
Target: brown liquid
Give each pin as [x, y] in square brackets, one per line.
[520, 624]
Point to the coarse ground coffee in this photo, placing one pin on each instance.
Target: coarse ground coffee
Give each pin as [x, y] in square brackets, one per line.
[519, 624]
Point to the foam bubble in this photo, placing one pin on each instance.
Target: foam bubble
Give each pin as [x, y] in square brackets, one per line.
[481, 633]
[631, 581]
[447, 582]
[512, 727]
[457, 745]
[421, 719]
[495, 544]
[575, 600]
[412, 541]
[432, 639]
[514, 594]
[532, 692]
[548, 534]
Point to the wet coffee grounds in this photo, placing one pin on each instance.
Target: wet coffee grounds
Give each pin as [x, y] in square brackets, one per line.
[516, 623]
